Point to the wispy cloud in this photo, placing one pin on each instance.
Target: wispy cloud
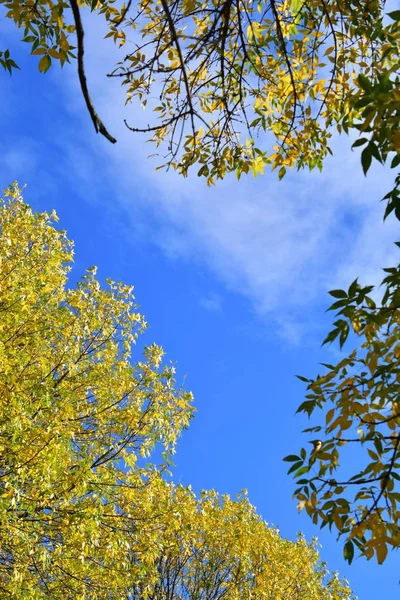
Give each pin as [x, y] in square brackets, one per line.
[212, 302]
[280, 244]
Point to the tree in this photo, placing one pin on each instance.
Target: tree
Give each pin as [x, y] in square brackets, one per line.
[76, 416]
[216, 547]
[219, 74]
[82, 515]
[357, 490]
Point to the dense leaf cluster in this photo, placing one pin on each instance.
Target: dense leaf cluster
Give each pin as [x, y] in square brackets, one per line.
[236, 85]
[83, 515]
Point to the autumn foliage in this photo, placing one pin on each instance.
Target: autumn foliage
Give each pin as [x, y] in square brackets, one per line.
[76, 415]
[235, 85]
[86, 510]
[352, 482]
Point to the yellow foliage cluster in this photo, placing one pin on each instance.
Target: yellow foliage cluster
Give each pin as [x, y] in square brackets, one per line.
[82, 515]
[76, 415]
[220, 74]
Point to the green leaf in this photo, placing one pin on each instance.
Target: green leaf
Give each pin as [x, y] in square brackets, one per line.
[295, 466]
[203, 171]
[307, 406]
[395, 162]
[366, 158]
[302, 471]
[375, 152]
[344, 334]
[338, 293]
[331, 336]
[364, 83]
[317, 428]
[353, 287]
[291, 458]
[378, 445]
[361, 103]
[392, 205]
[12, 64]
[338, 304]
[360, 142]
[395, 15]
[348, 551]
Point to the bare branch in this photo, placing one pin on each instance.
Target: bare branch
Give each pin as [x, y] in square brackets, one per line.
[97, 122]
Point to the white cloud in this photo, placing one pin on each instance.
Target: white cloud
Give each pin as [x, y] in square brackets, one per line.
[280, 244]
[212, 302]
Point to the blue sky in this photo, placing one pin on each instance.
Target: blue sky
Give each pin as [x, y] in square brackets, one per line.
[233, 280]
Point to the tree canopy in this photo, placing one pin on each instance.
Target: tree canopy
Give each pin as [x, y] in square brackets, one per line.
[76, 416]
[83, 514]
[350, 479]
[216, 548]
[231, 86]
[234, 85]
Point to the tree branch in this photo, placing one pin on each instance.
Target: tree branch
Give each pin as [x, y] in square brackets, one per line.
[97, 122]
